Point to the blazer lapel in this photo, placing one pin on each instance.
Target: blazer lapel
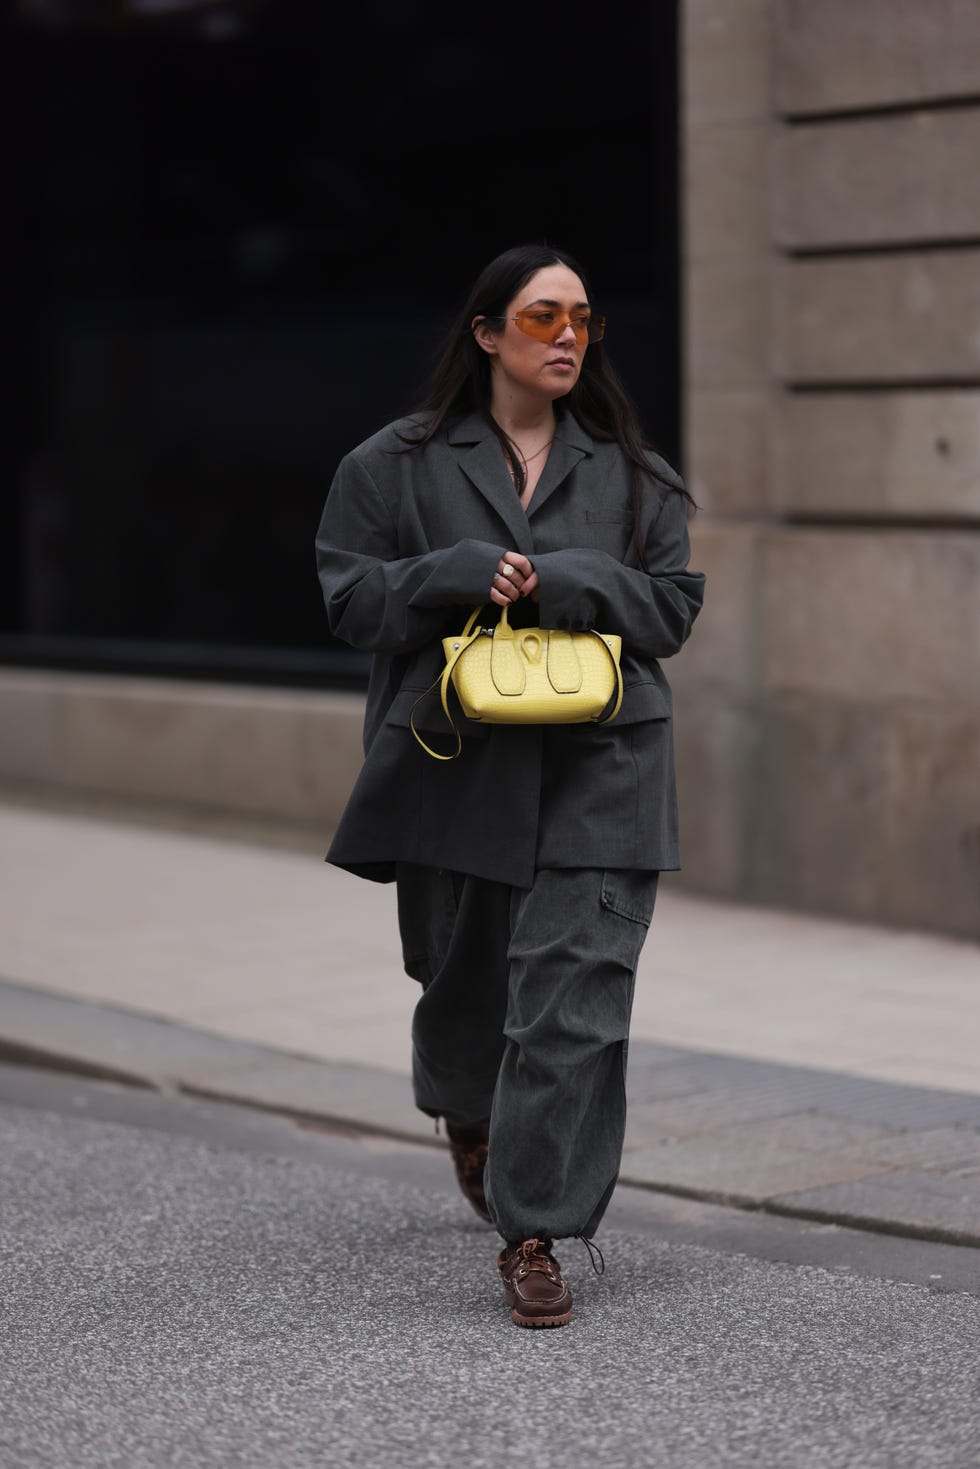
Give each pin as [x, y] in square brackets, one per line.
[483, 464]
[571, 446]
[480, 457]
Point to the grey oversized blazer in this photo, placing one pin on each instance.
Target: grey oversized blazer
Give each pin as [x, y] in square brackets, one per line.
[406, 548]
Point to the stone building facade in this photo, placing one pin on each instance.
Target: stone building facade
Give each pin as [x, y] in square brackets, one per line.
[829, 703]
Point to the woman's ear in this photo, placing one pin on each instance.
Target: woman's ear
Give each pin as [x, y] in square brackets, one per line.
[485, 338]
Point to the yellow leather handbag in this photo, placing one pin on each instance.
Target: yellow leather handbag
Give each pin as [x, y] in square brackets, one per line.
[528, 675]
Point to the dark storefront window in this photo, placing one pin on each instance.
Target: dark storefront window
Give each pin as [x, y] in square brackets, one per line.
[240, 234]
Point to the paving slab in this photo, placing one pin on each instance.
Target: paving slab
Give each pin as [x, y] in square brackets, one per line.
[939, 1149]
[927, 1205]
[739, 1174]
[706, 1110]
[812, 1132]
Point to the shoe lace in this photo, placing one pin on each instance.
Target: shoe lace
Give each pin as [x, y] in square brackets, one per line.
[535, 1254]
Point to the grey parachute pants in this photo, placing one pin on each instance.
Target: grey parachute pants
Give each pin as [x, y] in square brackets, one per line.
[524, 1020]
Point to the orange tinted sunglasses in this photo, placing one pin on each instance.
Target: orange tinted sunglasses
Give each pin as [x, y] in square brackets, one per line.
[547, 324]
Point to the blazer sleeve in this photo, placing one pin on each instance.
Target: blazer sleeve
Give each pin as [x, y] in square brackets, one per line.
[377, 600]
[653, 611]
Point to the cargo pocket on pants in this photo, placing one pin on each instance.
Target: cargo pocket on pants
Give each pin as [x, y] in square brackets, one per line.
[630, 894]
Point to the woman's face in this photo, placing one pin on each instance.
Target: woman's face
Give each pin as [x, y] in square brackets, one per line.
[526, 364]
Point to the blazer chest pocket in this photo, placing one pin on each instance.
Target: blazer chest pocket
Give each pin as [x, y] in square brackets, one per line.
[609, 530]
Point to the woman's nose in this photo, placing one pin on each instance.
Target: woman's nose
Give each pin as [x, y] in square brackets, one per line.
[567, 333]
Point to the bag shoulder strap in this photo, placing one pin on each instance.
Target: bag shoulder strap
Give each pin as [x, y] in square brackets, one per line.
[465, 638]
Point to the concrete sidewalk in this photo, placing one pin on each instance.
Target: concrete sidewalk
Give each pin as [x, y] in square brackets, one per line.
[799, 1065]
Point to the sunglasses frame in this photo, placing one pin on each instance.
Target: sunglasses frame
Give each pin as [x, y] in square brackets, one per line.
[596, 323]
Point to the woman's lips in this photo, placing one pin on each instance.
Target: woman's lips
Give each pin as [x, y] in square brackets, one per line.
[561, 362]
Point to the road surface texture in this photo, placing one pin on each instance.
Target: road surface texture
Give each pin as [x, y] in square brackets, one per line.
[190, 1283]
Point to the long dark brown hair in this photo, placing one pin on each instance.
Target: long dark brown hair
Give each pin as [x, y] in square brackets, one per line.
[461, 381]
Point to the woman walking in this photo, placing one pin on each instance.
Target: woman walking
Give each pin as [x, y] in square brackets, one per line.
[526, 869]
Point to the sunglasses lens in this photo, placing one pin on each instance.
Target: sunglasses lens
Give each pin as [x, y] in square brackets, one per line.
[548, 325]
[545, 325]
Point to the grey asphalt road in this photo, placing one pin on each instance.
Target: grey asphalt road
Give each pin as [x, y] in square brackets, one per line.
[189, 1284]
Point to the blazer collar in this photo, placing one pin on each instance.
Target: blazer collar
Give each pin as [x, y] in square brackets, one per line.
[479, 454]
[474, 428]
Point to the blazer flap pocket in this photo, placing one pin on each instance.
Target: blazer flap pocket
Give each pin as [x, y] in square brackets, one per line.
[608, 517]
[430, 717]
[642, 701]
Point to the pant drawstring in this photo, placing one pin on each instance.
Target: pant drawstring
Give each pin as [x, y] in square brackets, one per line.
[593, 1250]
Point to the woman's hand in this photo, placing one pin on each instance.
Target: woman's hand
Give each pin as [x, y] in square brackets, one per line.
[515, 577]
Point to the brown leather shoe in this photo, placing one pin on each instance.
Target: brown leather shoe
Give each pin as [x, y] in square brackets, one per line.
[533, 1285]
[468, 1146]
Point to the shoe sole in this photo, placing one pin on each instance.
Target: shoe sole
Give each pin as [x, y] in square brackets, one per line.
[534, 1321]
[560, 1318]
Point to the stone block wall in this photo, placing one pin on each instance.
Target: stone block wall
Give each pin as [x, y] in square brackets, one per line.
[828, 706]
[279, 755]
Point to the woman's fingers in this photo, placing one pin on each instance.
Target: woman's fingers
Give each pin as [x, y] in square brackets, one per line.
[504, 589]
[514, 577]
[510, 578]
